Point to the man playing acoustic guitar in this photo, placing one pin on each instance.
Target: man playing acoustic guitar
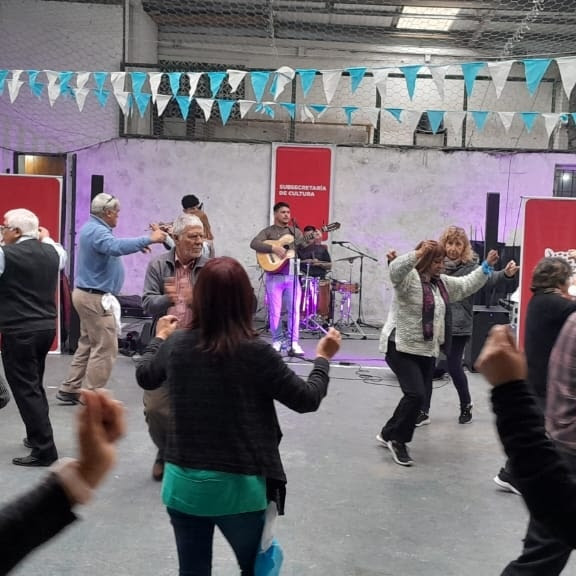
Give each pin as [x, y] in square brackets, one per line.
[280, 283]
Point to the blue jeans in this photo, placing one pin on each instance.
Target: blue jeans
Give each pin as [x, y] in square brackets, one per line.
[194, 537]
[280, 294]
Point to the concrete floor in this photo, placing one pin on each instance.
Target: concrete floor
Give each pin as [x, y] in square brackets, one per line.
[350, 510]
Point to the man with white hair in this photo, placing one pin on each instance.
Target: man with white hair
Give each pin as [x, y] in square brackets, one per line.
[29, 271]
[99, 277]
[168, 290]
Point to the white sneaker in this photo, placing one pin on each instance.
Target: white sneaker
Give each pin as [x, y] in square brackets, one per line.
[277, 345]
[297, 349]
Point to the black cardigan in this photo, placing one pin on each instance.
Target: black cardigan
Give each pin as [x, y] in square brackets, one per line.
[543, 477]
[222, 409]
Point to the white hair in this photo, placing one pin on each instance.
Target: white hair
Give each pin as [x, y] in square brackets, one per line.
[103, 202]
[184, 221]
[24, 220]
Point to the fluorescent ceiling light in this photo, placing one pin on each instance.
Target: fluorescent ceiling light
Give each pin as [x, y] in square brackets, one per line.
[426, 18]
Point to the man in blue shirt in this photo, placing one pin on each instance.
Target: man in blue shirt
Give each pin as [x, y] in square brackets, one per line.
[99, 277]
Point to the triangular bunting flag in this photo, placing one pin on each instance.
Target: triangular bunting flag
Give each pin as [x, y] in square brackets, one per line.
[396, 112]
[184, 105]
[117, 79]
[380, 78]
[373, 115]
[124, 100]
[14, 85]
[142, 100]
[438, 75]
[306, 80]
[174, 78]
[291, 108]
[245, 106]
[138, 79]
[319, 108]
[35, 86]
[470, 71]
[81, 79]
[161, 102]
[349, 111]
[499, 72]
[99, 79]
[282, 77]
[436, 117]
[53, 93]
[234, 78]
[193, 79]
[529, 118]
[268, 110]
[567, 67]
[3, 76]
[550, 122]
[410, 73]
[52, 77]
[356, 77]
[480, 117]
[80, 94]
[102, 96]
[506, 119]
[65, 78]
[225, 108]
[206, 106]
[306, 114]
[410, 119]
[216, 79]
[155, 78]
[455, 119]
[259, 80]
[330, 81]
[535, 70]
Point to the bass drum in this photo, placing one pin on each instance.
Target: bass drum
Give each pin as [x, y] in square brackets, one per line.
[324, 308]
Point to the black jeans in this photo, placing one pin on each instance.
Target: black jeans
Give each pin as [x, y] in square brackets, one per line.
[543, 554]
[414, 373]
[24, 357]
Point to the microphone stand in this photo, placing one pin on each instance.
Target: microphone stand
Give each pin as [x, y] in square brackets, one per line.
[295, 280]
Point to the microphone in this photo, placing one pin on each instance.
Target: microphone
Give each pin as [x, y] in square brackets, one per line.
[340, 242]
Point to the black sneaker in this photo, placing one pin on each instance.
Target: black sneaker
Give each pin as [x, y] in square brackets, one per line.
[465, 414]
[400, 453]
[68, 398]
[422, 419]
[506, 482]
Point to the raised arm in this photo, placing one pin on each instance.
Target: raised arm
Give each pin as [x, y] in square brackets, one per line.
[106, 243]
[401, 266]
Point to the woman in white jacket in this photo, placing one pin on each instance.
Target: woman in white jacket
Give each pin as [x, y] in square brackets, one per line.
[416, 328]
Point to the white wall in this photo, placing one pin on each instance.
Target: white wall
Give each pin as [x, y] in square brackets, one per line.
[384, 198]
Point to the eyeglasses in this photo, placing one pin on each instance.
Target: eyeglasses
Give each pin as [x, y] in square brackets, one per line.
[196, 237]
[110, 200]
[4, 228]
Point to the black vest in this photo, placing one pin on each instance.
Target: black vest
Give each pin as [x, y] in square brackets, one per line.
[28, 287]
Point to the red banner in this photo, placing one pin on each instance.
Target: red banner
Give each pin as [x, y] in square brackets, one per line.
[302, 177]
[549, 230]
[41, 195]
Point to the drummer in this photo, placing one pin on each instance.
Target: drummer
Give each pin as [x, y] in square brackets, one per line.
[315, 260]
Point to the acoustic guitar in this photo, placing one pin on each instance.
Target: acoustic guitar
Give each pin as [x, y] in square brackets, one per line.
[271, 262]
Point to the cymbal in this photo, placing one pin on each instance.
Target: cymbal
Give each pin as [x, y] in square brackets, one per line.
[349, 259]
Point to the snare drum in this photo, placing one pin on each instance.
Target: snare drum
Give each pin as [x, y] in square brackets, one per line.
[345, 287]
[324, 299]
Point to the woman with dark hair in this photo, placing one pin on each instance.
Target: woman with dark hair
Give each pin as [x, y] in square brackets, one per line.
[418, 325]
[222, 458]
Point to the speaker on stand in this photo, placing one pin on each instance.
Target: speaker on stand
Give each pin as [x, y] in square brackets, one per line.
[483, 318]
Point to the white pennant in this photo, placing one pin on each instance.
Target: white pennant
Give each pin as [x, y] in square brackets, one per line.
[506, 119]
[117, 79]
[53, 93]
[567, 67]
[234, 79]
[81, 79]
[122, 99]
[373, 115]
[81, 94]
[410, 119]
[455, 119]
[306, 114]
[245, 106]
[52, 77]
[499, 72]
[206, 105]
[194, 78]
[330, 80]
[14, 85]
[284, 75]
[380, 78]
[161, 102]
[155, 78]
[438, 75]
[550, 121]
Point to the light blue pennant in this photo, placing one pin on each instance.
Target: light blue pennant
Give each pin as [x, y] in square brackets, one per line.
[529, 118]
[356, 77]
[99, 79]
[306, 79]
[216, 79]
[470, 71]
[138, 79]
[349, 112]
[3, 76]
[259, 80]
[225, 107]
[184, 105]
[396, 112]
[35, 86]
[319, 108]
[174, 78]
[291, 108]
[535, 70]
[102, 95]
[573, 114]
[480, 117]
[269, 111]
[436, 117]
[64, 78]
[142, 100]
[410, 73]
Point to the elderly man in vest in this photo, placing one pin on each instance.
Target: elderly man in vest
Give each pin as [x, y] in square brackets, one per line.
[30, 262]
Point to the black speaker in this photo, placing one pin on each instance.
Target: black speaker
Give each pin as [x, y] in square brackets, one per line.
[492, 222]
[97, 185]
[483, 318]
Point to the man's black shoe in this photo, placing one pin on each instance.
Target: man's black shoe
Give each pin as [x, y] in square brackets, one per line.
[31, 461]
